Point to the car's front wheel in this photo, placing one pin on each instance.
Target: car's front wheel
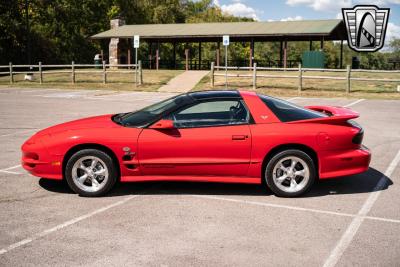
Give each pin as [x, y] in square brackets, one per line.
[91, 173]
[290, 173]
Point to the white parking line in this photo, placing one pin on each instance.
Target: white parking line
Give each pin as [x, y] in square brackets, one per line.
[38, 90]
[65, 224]
[7, 170]
[19, 132]
[70, 94]
[355, 224]
[293, 98]
[10, 172]
[353, 103]
[12, 168]
[271, 205]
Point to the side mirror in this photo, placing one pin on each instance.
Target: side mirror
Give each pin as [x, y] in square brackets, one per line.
[163, 124]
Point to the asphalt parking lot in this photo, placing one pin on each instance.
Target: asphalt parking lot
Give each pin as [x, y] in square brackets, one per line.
[348, 221]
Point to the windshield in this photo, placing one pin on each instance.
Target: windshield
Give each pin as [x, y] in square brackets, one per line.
[152, 113]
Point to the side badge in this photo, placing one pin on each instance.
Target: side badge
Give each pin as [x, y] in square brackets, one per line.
[264, 117]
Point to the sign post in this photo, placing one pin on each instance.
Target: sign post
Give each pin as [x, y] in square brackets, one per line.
[225, 42]
[136, 46]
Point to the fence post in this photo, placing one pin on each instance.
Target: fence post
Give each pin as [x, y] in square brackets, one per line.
[73, 72]
[300, 78]
[104, 73]
[212, 74]
[11, 73]
[254, 75]
[136, 74]
[348, 74]
[40, 73]
[140, 72]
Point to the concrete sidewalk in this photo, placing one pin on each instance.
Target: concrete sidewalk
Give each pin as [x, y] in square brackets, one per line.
[184, 82]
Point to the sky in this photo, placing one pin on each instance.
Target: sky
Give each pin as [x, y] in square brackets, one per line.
[276, 10]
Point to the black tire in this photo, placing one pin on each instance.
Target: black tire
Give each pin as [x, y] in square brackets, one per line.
[109, 166]
[269, 168]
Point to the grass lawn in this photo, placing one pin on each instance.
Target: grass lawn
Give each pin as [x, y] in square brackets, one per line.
[152, 80]
[311, 87]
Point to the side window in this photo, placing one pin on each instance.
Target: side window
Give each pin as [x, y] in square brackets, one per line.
[286, 111]
[211, 113]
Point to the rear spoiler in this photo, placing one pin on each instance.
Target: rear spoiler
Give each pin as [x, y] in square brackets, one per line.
[335, 114]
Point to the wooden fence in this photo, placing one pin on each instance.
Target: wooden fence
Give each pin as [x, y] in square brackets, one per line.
[40, 70]
[300, 76]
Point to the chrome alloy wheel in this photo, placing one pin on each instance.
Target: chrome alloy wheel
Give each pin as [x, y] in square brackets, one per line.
[291, 174]
[90, 174]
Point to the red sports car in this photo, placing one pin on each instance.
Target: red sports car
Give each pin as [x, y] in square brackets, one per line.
[209, 136]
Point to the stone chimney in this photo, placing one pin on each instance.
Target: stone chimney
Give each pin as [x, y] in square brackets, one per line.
[114, 49]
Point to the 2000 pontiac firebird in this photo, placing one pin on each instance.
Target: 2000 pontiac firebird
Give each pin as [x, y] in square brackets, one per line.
[214, 136]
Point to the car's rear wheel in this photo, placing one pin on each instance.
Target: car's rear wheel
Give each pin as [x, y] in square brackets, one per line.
[290, 173]
[91, 173]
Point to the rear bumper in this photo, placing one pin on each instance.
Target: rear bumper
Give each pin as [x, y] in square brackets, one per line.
[344, 162]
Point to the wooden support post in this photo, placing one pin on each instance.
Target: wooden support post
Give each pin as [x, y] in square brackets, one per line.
[157, 58]
[187, 59]
[40, 73]
[218, 56]
[129, 54]
[136, 75]
[250, 58]
[251, 52]
[300, 78]
[102, 54]
[254, 75]
[199, 55]
[11, 73]
[150, 54]
[311, 46]
[285, 54]
[158, 55]
[348, 75]
[281, 55]
[140, 72]
[341, 55]
[174, 54]
[73, 72]
[212, 74]
[104, 72]
[322, 44]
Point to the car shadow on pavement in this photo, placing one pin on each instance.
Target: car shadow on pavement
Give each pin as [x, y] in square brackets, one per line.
[355, 184]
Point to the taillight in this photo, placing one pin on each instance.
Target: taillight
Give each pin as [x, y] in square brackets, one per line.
[357, 139]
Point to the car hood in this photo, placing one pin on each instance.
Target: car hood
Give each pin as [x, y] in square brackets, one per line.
[103, 121]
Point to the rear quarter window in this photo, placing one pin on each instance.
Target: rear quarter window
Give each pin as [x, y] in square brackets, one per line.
[286, 111]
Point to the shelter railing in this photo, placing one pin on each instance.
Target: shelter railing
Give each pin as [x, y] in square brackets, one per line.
[73, 69]
[253, 73]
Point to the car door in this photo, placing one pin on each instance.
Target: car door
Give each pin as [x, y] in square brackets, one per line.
[210, 137]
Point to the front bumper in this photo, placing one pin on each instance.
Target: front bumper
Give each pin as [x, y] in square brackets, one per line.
[344, 162]
[39, 162]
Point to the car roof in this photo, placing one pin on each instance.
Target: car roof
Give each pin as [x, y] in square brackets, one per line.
[199, 95]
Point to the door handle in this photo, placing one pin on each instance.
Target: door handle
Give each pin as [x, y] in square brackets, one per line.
[239, 137]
